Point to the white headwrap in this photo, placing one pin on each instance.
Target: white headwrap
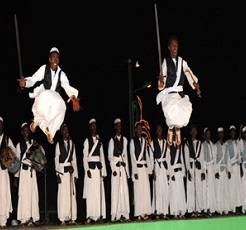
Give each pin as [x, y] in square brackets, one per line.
[232, 127]
[220, 129]
[92, 120]
[54, 49]
[117, 120]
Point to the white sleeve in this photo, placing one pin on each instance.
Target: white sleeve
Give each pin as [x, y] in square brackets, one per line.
[85, 155]
[74, 162]
[18, 153]
[133, 159]
[57, 155]
[164, 68]
[37, 76]
[126, 158]
[189, 74]
[187, 157]
[66, 86]
[111, 155]
[11, 145]
[104, 171]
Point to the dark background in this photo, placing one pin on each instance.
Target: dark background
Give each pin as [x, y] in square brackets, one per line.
[95, 41]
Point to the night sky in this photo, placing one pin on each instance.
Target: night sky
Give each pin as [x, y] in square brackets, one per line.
[96, 40]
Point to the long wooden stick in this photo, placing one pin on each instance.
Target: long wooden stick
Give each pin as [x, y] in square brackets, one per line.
[158, 37]
[18, 46]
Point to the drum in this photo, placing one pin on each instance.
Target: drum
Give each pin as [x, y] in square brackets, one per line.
[9, 160]
[36, 156]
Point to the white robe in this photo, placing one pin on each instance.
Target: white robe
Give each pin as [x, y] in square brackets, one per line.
[176, 187]
[119, 185]
[209, 160]
[28, 196]
[5, 193]
[233, 152]
[243, 157]
[66, 198]
[177, 110]
[221, 184]
[160, 201]
[142, 199]
[94, 187]
[194, 193]
[49, 108]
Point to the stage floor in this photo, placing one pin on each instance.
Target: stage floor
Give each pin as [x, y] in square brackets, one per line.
[213, 223]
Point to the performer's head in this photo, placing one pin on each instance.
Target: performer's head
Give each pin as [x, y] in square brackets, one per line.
[117, 126]
[93, 126]
[64, 131]
[232, 132]
[138, 129]
[1, 125]
[159, 131]
[173, 45]
[220, 133]
[193, 131]
[244, 133]
[54, 58]
[207, 134]
[25, 131]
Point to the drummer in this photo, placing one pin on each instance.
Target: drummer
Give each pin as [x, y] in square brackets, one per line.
[5, 194]
[28, 205]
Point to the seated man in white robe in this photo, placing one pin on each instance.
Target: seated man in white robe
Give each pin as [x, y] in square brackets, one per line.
[49, 108]
[28, 201]
[141, 169]
[161, 162]
[176, 106]
[5, 193]
[67, 174]
[118, 158]
[95, 171]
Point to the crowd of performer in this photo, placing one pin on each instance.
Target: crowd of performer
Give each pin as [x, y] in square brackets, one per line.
[194, 178]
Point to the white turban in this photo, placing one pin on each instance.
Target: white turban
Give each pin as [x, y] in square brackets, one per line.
[54, 49]
[93, 120]
[117, 120]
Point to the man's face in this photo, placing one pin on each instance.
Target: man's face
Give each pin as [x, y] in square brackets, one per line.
[208, 135]
[244, 135]
[159, 131]
[117, 128]
[65, 132]
[138, 130]
[173, 48]
[233, 134]
[93, 128]
[221, 135]
[54, 60]
[1, 127]
[25, 132]
[193, 132]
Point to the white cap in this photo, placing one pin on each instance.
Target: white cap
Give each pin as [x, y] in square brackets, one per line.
[1, 119]
[138, 122]
[23, 124]
[93, 120]
[54, 49]
[220, 129]
[117, 120]
[232, 127]
[205, 130]
[244, 129]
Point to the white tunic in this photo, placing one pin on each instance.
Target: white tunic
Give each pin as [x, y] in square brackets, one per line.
[160, 201]
[94, 187]
[5, 194]
[243, 157]
[49, 107]
[28, 201]
[66, 198]
[142, 199]
[119, 185]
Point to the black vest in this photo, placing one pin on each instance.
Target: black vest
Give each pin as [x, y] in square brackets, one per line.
[172, 73]
[192, 150]
[97, 149]
[64, 152]
[157, 149]
[174, 150]
[137, 146]
[47, 82]
[118, 146]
